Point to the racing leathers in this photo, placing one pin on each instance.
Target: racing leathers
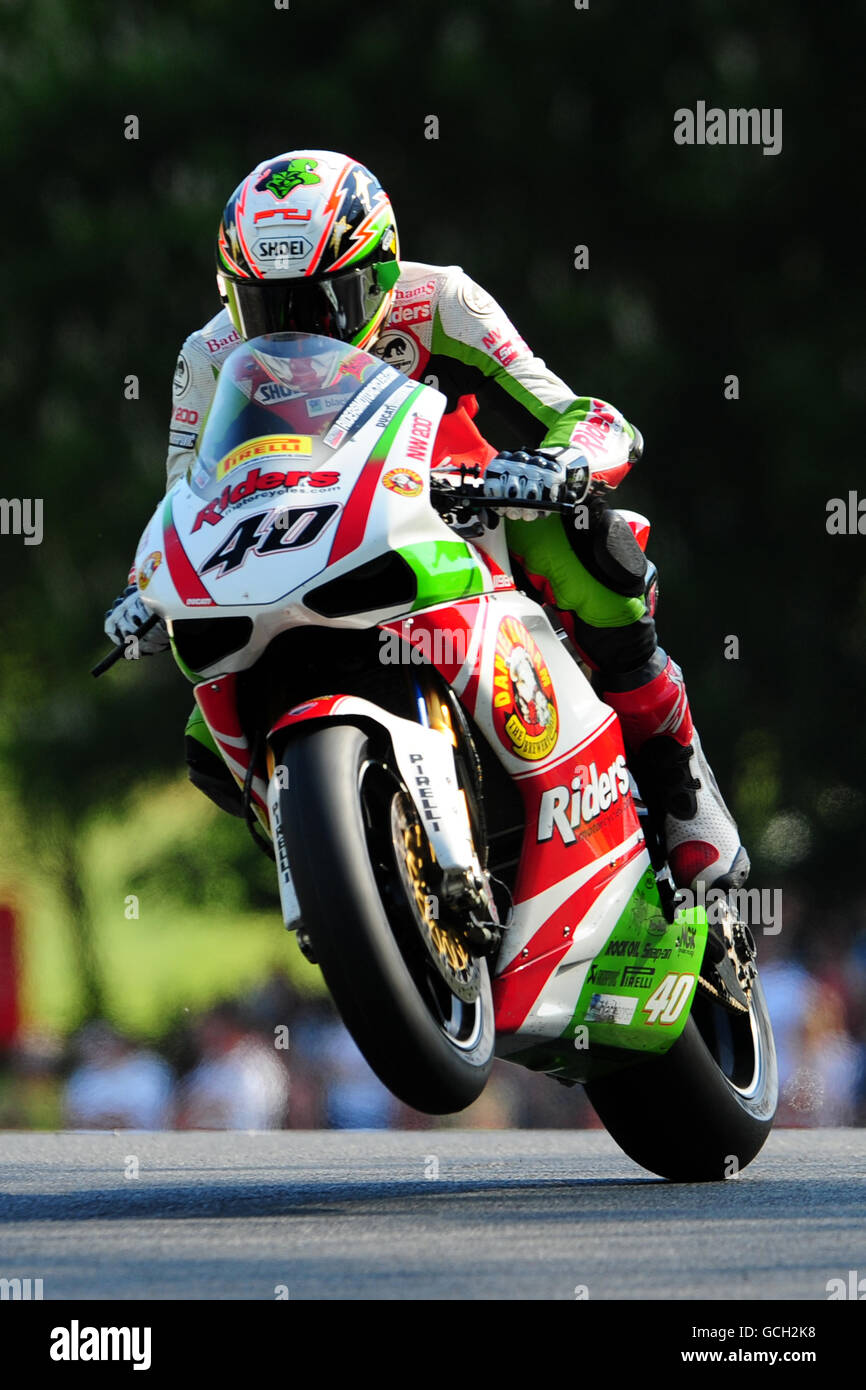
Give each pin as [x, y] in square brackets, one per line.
[447, 331]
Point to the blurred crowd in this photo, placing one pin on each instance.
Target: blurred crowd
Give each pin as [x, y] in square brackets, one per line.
[817, 1002]
[272, 1059]
[279, 1059]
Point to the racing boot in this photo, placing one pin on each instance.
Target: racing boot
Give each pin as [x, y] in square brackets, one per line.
[675, 779]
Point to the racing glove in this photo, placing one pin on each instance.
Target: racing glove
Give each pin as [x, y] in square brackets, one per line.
[125, 617]
[541, 476]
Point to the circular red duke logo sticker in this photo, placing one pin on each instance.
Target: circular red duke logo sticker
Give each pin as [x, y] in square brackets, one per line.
[403, 480]
[524, 704]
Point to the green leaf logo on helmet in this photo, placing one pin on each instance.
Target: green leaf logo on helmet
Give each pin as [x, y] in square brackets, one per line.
[281, 179]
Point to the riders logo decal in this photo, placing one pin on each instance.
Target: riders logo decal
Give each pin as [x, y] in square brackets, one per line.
[412, 313]
[404, 481]
[591, 794]
[149, 568]
[524, 704]
[265, 444]
[280, 178]
[255, 482]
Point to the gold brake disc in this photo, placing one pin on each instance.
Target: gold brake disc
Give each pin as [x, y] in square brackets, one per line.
[452, 950]
[455, 962]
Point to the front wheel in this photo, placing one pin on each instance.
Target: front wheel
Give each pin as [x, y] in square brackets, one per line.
[702, 1111]
[418, 1005]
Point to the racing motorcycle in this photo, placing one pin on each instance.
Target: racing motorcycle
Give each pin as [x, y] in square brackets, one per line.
[459, 841]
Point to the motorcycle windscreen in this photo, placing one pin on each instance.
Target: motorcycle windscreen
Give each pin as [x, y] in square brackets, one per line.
[284, 400]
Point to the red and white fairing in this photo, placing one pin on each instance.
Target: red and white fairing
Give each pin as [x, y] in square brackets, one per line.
[583, 851]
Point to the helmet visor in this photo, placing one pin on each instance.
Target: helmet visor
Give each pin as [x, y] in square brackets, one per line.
[336, 306]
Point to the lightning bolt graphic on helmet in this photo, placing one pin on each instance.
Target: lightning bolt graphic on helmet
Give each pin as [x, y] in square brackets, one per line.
[364, 233]
[331, 209]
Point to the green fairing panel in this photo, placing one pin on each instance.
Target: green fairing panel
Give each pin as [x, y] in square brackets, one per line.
[445, 570]
[637, 995]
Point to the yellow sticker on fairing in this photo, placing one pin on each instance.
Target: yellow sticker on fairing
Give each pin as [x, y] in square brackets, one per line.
[149, 568]
[264, 445]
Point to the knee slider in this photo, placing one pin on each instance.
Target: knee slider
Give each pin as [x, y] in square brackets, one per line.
[608, 551]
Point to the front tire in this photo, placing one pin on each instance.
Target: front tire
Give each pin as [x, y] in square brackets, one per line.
[418, 1006]
[701, 1112]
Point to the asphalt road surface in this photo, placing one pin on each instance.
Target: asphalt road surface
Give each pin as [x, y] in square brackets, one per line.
[427, 1215]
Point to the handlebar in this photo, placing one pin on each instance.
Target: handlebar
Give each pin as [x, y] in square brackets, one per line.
[447, 495]
[108, 661]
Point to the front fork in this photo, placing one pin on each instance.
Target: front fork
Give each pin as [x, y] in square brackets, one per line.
[421, 752]
[469, 896]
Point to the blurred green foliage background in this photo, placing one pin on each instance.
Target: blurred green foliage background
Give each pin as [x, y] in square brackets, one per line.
[555, 130]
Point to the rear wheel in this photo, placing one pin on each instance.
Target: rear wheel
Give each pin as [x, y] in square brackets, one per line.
[704, 1110]
[418, 1005]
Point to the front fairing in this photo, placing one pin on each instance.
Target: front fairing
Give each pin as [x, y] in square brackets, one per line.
[314, 463]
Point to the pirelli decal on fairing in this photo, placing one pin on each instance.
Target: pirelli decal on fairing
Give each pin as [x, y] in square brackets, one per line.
[262, 447]
[567, 810]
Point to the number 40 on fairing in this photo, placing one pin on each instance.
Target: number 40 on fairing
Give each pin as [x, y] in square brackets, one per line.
[666, 1003]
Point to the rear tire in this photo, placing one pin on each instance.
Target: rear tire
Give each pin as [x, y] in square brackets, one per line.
[422, 1017]
[701, 1112]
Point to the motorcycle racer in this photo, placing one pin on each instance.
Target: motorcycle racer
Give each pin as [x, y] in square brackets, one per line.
[308, 242]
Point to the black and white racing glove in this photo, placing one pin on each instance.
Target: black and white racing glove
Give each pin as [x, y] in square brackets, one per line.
[125, 617]
[541, 476]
